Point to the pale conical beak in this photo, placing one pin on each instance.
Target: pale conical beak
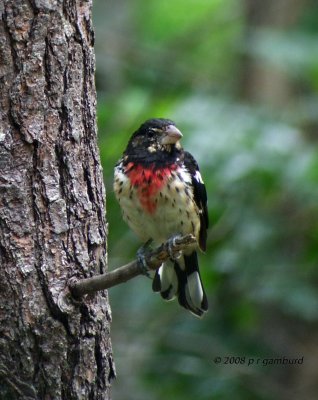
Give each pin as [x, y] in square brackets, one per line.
[172, 135]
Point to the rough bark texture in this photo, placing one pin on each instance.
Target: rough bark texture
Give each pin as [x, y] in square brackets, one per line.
[52, 214]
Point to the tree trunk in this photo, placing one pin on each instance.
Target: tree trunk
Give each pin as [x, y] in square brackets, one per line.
[52, 211]
[261, 82]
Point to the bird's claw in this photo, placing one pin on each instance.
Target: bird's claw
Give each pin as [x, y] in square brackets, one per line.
[174, 255]
[141, 258]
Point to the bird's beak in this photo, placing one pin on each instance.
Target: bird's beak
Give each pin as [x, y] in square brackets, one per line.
[172, 135]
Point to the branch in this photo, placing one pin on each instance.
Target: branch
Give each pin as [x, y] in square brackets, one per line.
[122, 274]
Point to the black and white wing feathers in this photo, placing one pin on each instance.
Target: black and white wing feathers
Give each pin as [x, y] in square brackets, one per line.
[199, 195]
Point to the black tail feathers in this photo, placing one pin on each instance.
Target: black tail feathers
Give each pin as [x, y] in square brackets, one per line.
[182, 279]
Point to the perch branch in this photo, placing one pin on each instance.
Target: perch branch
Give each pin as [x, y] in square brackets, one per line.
[153, 258]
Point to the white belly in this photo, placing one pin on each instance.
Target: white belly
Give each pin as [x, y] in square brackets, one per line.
[175, 211]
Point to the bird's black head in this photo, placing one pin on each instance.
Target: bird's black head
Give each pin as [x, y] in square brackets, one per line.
[155, 135]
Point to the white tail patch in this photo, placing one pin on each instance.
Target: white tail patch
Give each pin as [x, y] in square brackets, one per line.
[183, 281]
[194, 291]
[168, 281]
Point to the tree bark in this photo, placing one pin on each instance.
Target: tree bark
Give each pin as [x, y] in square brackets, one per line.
[52, 211]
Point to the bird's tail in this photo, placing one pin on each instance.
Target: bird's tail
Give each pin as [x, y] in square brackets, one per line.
[182, 279]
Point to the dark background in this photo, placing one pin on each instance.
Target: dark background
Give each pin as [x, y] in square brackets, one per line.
[240, 78]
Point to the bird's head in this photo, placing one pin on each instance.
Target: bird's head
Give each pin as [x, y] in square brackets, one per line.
[156, 135]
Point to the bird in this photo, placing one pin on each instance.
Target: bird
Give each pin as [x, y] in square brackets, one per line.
[161, 195]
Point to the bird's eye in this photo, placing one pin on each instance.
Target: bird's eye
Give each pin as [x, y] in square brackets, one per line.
[153, 131]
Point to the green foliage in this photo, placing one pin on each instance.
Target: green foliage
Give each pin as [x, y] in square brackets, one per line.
[185, 60]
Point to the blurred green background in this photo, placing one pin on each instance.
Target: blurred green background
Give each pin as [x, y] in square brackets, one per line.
[240, 78]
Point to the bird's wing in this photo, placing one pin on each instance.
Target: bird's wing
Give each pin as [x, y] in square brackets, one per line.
[199, 195]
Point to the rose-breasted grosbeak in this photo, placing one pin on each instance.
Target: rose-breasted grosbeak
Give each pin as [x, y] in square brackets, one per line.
[161, 194]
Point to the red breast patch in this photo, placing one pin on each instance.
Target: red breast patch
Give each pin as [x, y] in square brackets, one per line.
[148, 182]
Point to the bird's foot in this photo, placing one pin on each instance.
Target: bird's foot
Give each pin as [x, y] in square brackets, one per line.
[141, 258]
[174, 255]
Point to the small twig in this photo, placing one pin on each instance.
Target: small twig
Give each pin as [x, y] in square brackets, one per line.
[122, 274]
